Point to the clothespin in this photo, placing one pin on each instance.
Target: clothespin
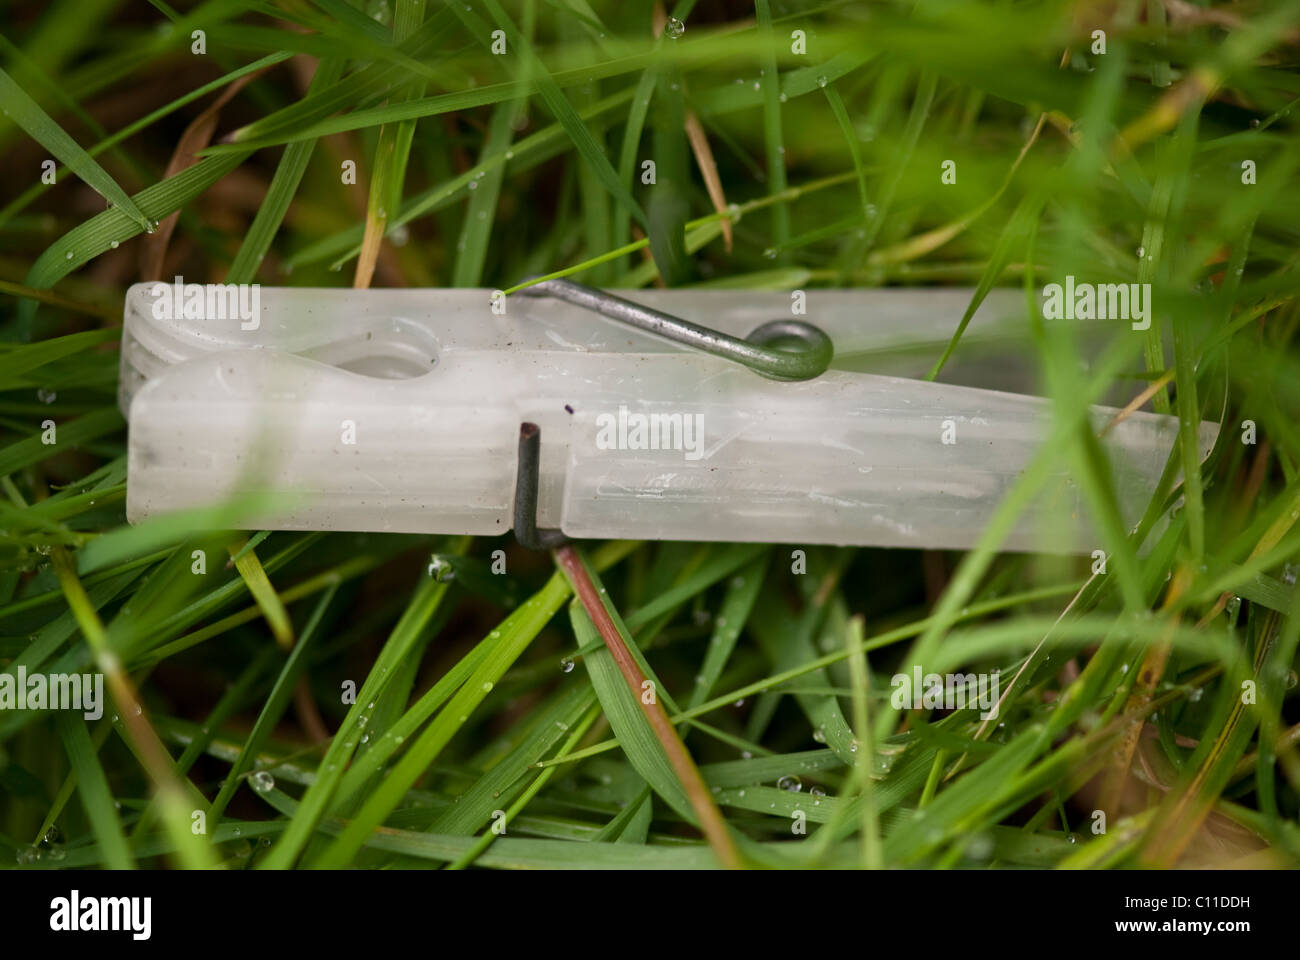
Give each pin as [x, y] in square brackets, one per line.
[572, 412]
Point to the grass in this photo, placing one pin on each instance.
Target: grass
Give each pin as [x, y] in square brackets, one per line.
[375, 701]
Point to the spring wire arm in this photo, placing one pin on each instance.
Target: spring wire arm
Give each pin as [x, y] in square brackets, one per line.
[810, 360]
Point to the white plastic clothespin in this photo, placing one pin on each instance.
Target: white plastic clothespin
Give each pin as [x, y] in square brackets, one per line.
[401, 410]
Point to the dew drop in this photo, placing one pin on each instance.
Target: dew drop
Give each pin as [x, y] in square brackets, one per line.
[980, 846]
[262, 782]
[789, 783]
[440, 569]
[566, 665]
[674, 28]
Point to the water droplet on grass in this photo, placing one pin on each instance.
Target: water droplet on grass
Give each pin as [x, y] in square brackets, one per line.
[440, 569]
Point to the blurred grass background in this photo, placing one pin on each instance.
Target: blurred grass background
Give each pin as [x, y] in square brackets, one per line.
[782, 160]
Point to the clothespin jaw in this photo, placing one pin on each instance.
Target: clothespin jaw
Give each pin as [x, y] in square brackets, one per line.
[401, 410]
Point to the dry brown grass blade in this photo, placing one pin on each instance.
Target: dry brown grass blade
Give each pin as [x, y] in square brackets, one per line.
[708, 170]
[304, 703]
[699, 144]
[153, 251]
[376, 220]
[1139, 700]
[1182, 814]
[1136, 403]
[711, 820]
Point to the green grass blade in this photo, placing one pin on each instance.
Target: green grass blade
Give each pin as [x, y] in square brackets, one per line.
[96, 796]
[27, 113]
